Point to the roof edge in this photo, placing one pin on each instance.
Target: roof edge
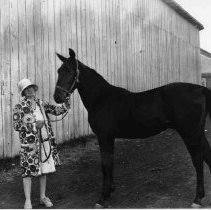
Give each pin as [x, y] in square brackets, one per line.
[205, 53]
[176, 7]
[206, 74]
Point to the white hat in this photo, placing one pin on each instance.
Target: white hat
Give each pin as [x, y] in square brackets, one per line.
[23, 84]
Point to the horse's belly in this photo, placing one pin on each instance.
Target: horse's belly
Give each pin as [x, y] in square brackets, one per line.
[126, 127]
[138, 130]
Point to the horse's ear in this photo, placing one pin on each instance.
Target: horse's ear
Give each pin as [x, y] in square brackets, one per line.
[71, 53]
[62, 58]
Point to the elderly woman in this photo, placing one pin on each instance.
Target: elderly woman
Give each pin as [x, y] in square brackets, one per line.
[38, 155]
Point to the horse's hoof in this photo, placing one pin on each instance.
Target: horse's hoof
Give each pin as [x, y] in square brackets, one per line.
[98, 206]
[196, 206]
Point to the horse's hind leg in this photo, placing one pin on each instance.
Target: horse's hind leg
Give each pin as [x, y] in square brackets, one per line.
[190, 124]
[195, 149]
[206, 156]
[207, 152]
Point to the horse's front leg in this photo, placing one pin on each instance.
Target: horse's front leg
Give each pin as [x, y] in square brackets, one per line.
[107, 150]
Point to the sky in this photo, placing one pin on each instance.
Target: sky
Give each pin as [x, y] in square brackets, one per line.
[201, 11]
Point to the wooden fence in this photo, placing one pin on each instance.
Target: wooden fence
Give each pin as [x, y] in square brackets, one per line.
[136, 44]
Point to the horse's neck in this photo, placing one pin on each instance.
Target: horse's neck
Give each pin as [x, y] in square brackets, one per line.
[91, 86]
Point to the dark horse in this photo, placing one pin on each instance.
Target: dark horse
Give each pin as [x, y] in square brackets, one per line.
[114, 112]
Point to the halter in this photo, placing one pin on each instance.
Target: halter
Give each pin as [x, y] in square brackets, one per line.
[74, 82]
[68, 91]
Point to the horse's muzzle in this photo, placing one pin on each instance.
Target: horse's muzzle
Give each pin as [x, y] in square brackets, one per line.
[57, 98]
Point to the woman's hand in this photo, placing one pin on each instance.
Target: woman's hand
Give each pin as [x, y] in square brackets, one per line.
[39, 123]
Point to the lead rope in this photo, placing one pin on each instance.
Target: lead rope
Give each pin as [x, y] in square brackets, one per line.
[41, 142]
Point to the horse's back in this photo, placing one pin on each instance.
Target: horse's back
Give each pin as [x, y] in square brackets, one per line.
[183, 95]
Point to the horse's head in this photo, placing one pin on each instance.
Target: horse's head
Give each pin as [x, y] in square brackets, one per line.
[67, 77]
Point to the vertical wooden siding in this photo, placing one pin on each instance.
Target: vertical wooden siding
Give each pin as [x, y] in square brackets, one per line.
[136, 44]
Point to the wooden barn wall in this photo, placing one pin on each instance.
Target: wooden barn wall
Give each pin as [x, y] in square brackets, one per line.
[136, 44]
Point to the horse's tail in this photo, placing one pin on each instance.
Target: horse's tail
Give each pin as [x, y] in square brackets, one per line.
[208, 100]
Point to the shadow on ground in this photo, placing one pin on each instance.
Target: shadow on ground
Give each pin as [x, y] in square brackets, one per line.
[150, 173]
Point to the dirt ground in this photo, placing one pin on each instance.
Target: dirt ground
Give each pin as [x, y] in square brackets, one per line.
[150, 173]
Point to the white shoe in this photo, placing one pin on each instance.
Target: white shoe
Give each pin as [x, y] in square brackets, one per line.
[27, 205]
[46, 202]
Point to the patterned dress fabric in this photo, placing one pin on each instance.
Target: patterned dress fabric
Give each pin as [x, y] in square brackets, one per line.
[33, 154]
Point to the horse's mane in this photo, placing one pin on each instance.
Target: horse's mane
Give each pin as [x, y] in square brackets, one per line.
[96, 80]
[94, 74]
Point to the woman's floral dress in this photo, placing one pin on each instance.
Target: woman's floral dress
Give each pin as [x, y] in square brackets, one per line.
[30, 140]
